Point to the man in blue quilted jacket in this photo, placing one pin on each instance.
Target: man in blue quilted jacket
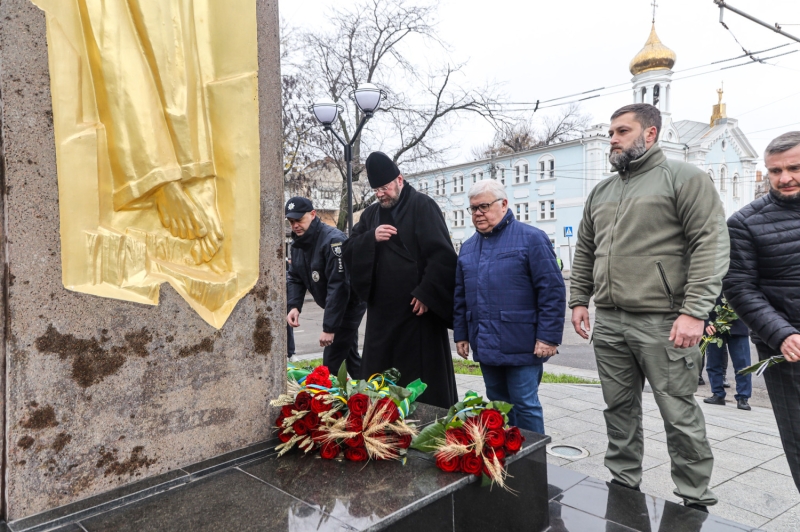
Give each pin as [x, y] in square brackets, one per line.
[509, 303]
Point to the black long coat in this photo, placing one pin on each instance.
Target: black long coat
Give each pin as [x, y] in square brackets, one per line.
[417, 262]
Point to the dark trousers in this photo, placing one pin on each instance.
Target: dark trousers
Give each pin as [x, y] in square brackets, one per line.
[739, 349]
[345, 344]
[289, 340]
[783, 385]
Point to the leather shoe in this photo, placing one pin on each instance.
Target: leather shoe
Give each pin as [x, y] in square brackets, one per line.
[741, 404]
[698, 507]
[618, 483]
[725, 383]
[715, 400]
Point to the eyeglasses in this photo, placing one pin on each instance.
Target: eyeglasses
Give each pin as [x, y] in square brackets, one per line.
[382, 190]
[483, 207]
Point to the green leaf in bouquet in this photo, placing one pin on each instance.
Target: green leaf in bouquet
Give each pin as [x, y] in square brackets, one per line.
[392, 374]
[429, 438]
[416, 387]
[455, 423]
[298, 374]
[411, 409]
[398, 392]
[473, 401]
[341, 377]
[760, 367]
[486, 480]
[503, 407]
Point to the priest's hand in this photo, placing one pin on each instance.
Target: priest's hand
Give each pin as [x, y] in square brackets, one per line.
[293, 318]
[420, 308]
[384, 232]
[463, 349]
[325, 339]
[543, 350]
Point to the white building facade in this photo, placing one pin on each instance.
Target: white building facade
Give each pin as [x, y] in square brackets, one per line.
[548, 186]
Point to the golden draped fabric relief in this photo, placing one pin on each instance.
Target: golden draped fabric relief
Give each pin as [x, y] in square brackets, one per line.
[155, 109]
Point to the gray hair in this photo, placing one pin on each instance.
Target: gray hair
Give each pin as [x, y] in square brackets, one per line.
[785, 142]
[488, 185]
[647, 115]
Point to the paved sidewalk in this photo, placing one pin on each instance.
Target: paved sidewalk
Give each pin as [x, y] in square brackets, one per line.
[751, 476]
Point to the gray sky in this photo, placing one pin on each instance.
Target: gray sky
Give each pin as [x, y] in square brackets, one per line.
[542, 50]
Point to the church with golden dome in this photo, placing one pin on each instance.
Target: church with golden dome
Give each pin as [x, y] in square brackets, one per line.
[547, 186]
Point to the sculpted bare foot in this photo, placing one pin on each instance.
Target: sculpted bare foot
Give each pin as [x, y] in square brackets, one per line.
[178, 213]
[204, 196]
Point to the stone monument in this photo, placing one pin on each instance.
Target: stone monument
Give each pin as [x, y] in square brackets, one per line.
[143, 294]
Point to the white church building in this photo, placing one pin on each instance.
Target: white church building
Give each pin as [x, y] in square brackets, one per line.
[548, 186]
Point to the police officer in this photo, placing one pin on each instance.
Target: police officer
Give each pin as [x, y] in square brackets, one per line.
[317, 267]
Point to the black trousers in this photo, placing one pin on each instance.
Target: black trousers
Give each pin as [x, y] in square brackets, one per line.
[783, 385]
[344, 348]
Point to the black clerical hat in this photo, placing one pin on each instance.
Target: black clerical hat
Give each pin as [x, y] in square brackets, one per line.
[380, 169]
[297, 207]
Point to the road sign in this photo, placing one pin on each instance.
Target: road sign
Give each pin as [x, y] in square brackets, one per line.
[568, 231]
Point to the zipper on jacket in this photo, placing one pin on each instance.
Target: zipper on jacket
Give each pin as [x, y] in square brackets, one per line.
[665, 282]
[611, 243]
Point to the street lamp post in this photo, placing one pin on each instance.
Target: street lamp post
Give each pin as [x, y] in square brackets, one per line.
[368, 99]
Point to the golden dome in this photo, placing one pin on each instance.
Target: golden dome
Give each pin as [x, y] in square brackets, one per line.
[654, 56]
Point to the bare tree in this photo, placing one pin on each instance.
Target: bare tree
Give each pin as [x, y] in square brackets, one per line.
[524, 134]
[370, 43]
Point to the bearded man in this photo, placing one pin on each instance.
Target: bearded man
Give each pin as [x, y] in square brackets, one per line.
[763, 284]
[652, 250]
[402, 263]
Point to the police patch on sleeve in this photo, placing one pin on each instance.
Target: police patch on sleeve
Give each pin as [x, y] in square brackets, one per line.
[336, 247]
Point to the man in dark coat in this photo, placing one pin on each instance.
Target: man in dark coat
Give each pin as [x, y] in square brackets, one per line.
[763, 284]
[402, 262]
[317, 267]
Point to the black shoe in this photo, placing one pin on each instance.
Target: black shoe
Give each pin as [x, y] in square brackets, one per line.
[725, 383]
[618, 483]
[700, 381]
[741, 404]
[698, 507]
[715, 400]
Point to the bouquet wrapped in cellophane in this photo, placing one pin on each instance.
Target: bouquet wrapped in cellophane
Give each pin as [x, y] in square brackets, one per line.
[336, 416]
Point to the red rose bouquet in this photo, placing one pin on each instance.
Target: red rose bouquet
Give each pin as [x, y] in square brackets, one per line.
[473, 438]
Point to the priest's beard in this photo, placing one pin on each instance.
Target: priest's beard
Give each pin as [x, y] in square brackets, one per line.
[622, 159]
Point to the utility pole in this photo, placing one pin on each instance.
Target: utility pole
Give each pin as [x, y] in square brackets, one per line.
[776, 28]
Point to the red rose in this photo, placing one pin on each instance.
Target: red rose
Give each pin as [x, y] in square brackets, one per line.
[514, 439]
[285, 436]
[458, 436]
[329, 450]
[356, 441]
[356, 454]
[279, 421]
[496, 438]
[321, 376]
[471, 464]
[499, 453]
[358, 404]
[354, 423]
[319, 406]
[391, 413]
[311, 420]
[303, 401]
[318, 435]
[337, 415]
[492, 419]
[448, 466]
[300, 427]
[404, 441]
[286, 411]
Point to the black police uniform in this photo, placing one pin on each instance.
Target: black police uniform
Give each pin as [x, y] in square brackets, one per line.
[317, 267]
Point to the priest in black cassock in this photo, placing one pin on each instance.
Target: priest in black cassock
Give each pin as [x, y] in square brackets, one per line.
[402, 263]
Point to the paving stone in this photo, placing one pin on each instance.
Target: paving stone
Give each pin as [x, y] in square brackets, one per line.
[551, 392]
[720, 475]
[735, 462]
[578, 405]
[592, 441]
[556, 460]
[753, 499]
[659, 436]
[749, 448]
[590, 468]
[733, 512]
[658, 481]
[760, 437]
[651, 422]
[655, 447]
[771, 482]
[592, 416]
[715, 432]
[778, 465]
[554, 412]
[568, 426]
[650, 462]
[788, 521]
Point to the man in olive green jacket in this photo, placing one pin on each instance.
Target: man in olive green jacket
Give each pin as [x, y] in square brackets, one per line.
[652, 249]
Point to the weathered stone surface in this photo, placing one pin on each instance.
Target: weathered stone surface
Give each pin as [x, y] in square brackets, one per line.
[101, 392]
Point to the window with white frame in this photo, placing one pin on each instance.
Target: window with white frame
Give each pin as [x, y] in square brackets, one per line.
[723, 175]
[523, 212]
[458, 183]
[735, 185]
[423, 187]
[547, 210]
[501, 175]
[440, 191]
[547, 167]
[474, 177]
[458, 218]
[521, 173]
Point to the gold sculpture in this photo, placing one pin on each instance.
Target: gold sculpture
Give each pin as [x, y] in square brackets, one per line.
[155, 109]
